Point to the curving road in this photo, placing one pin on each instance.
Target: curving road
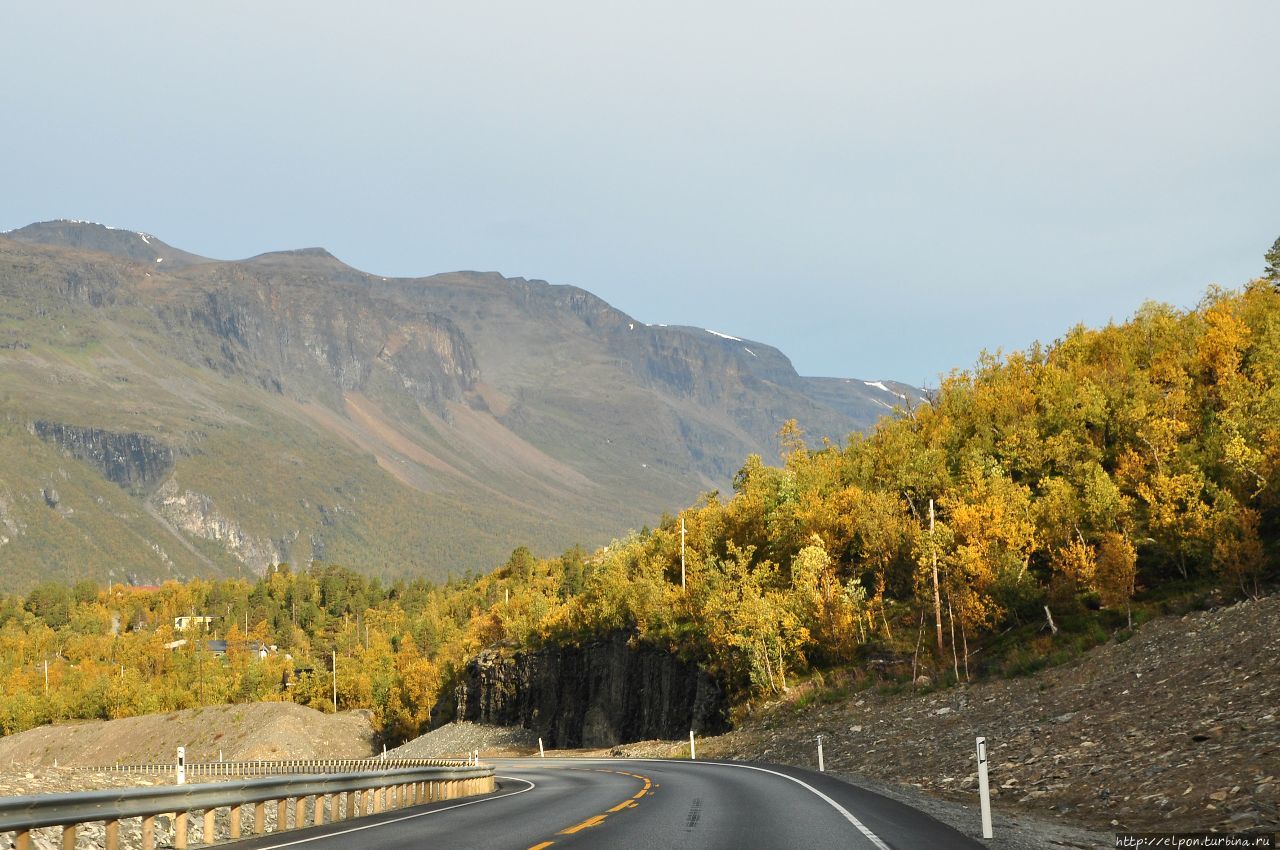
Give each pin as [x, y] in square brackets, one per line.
[609, 803]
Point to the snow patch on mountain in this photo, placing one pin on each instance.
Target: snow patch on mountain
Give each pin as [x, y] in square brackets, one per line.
[722, 336]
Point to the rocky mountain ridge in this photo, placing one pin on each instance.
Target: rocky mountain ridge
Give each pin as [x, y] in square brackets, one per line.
[287, 407]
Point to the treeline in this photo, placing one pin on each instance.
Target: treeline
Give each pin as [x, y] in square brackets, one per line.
[1059, 482]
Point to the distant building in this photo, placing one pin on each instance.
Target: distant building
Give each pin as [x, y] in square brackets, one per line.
[221, 647]
[182, 624]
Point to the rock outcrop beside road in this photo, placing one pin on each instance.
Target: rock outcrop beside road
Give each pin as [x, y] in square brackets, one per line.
[601, 693]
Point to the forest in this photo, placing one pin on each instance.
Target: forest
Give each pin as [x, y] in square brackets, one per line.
[1038, 503]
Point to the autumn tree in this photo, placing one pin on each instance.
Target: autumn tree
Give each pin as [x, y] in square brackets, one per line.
[1116, 572]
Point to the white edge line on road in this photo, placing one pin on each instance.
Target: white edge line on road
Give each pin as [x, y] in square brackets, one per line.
[861, 827]
[406, 817]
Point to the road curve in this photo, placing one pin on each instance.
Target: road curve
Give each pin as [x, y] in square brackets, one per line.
[571, 804]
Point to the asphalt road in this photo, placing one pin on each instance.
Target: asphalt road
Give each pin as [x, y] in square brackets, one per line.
[611, 803]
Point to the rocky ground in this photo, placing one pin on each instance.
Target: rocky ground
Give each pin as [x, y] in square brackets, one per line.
[457, 740]
[1177, 729]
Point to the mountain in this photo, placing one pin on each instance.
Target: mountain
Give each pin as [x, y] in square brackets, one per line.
[167, 415]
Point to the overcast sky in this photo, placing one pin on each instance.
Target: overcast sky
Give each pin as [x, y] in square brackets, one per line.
[879, 189]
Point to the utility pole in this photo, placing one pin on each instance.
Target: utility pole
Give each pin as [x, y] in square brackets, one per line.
[937, 595]
[335, 681]
[682, 552]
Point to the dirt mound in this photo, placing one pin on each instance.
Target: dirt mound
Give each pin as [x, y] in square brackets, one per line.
[267, 730]
[458, 739]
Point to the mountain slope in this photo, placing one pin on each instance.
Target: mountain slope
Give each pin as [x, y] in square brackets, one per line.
[168, 415]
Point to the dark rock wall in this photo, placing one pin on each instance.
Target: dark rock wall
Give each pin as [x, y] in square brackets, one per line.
[601, 693]
[134, 461]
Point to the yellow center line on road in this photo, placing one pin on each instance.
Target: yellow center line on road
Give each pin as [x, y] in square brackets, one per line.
[596, 820]
[586, 824]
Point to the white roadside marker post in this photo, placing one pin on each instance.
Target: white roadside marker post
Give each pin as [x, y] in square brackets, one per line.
[821, 767]
[541, 752]
[693, 753]
[182, 765]
[984, 789]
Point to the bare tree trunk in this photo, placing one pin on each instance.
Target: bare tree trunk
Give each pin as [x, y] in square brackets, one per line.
[965, 637]
[884, 618]
[1049, 616]
[955, 660]
[937, 594]
[915, 658]
[768, 670]
[782, 673]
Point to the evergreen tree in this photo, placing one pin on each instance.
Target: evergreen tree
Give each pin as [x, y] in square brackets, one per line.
[1272, 271]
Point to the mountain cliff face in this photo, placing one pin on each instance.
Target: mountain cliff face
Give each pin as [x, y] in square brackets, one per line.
[602, 693]
[203, 417]
[133, 461]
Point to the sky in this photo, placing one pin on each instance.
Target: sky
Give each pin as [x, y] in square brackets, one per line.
[881, 190]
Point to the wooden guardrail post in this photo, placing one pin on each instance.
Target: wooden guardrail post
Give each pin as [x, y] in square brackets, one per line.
[149, 832]
[260, 817]
[111, 837]
[209, 834]
[180, 831]
[299, 812]
[22, 840]
[234, 816]
[282, 815]
[69, 837]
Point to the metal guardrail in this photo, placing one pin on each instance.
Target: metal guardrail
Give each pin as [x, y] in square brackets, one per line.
[350, 794]
[262, 767]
